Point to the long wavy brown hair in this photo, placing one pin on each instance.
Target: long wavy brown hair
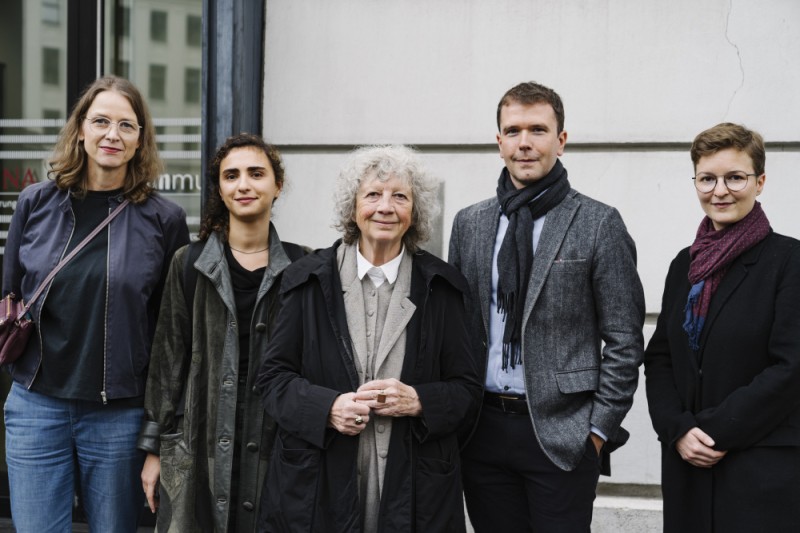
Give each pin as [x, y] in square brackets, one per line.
[69, 160]
[216, 217]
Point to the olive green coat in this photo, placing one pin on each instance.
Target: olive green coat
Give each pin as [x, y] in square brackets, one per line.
[197, 449]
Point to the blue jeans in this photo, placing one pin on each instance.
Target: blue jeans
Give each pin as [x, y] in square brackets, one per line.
[49, 440]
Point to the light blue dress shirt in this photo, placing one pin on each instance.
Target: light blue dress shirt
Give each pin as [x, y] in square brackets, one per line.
[510, 380]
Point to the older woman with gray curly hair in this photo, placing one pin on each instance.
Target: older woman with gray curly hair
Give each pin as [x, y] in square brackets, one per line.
[369, 376]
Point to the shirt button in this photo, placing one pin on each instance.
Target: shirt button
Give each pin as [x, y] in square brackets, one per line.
[370, 313]
[222, 500]
[505, 388]
[227, 382]
[252, 447]
[260, 327]
[382, 454]
[381, 428]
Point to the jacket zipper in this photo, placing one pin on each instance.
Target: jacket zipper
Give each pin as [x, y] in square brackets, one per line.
[41, 303]
[105, 312]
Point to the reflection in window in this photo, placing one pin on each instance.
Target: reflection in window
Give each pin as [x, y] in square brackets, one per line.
[124, 22]
[158, 82]
[51, 12]
[194, 30]
[158, 26]
[123, 69]
[50, 66]
[191, 88]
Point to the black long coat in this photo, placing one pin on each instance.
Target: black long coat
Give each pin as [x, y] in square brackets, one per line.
[311, 484]
[742, 387]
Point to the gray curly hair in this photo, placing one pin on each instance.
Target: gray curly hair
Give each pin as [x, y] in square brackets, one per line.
[383, 162]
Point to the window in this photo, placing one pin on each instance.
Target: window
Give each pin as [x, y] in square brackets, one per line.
[51, 113]
[123, 69]
[51, 12]
[158, 82]
[191, 86]
[124, 20]
[50, 66]
[194, 29]
[158, 26]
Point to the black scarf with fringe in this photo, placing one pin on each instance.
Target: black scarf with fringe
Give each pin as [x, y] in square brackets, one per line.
[521, 207]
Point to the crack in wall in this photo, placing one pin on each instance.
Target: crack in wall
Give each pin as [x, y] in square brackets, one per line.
[738, 56]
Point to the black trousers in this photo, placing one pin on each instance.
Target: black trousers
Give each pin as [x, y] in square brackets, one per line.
[511, 485]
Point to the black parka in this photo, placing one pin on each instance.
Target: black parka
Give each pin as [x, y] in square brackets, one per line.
[311, 484]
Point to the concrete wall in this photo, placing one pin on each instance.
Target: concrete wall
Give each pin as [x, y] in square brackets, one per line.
[639, 79]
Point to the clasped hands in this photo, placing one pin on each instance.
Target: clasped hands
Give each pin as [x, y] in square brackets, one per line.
[696, 447]
[384, 397]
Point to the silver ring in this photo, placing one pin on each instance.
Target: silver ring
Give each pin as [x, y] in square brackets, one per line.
[359, 420]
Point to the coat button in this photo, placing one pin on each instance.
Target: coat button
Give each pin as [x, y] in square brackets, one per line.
[252, 447]
[261, 327]
[248, 506]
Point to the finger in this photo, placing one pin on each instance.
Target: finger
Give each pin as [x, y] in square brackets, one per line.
[366, 395]
[703, 437]
[375, 384]
[150, 499]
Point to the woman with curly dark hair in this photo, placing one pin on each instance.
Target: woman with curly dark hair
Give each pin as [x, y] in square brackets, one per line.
[207, 437]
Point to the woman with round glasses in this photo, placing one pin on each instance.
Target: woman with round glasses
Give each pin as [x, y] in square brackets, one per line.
[75, 407]
[723, 366]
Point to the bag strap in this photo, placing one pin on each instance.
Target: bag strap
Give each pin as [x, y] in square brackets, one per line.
[72, 254]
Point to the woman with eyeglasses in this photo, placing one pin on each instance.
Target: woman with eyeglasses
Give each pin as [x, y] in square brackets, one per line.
[75, 407]
[723, 366]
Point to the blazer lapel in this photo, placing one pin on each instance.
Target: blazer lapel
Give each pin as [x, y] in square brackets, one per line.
[486, 228]
[555, 229]
[400, 311]
[353, 296]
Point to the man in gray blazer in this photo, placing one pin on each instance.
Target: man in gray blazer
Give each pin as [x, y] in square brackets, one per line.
[557, 311]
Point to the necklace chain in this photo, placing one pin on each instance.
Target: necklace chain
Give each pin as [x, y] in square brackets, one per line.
[248, 253]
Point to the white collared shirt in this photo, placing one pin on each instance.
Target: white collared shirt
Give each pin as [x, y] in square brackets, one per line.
[378, 274]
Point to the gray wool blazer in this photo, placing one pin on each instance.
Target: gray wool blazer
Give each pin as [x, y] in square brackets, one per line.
[583, 318]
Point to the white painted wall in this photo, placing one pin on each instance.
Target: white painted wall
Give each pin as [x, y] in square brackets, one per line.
[639, 79]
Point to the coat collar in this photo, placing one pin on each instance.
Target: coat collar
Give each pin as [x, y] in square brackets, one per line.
[736, 274]
[322, 264]
[212, 264]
